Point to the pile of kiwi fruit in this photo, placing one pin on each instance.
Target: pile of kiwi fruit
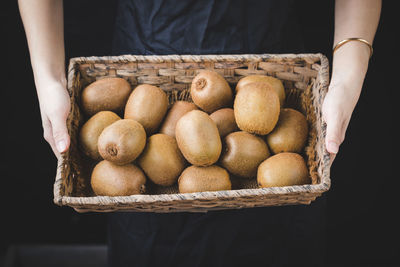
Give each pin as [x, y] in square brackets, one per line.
[135, 137]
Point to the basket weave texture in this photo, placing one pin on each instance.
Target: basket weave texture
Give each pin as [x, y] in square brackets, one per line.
[305, 78]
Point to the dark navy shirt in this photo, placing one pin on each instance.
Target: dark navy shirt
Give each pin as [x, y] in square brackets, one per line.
[247, 237]
[206, 27]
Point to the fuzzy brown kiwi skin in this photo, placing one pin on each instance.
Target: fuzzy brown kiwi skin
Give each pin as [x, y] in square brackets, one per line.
[243, 153]
[177, 110]
[91, 130]
[147, 104]
[256, 108]
[122, 142]
[290, 134]
[109, 93]
[225, 120]
[283, 169]
[198, 138]
[108, 179]
[200, 179]
[210, 91]
[274, 82]
[161, 160]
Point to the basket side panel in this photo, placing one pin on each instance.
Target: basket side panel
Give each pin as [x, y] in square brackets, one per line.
[203, 205]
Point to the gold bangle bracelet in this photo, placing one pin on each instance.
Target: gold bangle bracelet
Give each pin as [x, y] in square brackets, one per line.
[339, 44]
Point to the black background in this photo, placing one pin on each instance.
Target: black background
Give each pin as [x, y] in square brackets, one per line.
[362, 202]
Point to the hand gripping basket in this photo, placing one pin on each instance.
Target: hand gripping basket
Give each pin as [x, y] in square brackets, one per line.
[305, 77]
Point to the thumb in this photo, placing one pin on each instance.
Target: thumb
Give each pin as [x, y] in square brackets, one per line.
[60, 133]
[334, 134]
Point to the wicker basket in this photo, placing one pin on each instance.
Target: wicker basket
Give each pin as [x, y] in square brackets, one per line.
[305, 77]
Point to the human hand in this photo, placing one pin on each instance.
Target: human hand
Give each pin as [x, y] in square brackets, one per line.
[337, 109]
[353, 19]
[54, 108]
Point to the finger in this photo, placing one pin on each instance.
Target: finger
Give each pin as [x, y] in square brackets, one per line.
[334, 134]
[333, 156]
[48, 136]
[60, 133]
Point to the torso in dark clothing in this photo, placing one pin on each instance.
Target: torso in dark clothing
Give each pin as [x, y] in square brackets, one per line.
[254, 237]
[206, 27]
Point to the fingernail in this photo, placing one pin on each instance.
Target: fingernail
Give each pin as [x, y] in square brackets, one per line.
[61, 146]
[333, 147]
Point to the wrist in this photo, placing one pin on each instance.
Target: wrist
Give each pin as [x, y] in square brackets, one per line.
[47, 71]
[48, 79]
[352, 58]
[350, 65]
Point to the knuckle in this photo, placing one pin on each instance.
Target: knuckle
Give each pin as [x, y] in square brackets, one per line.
[58, 134]
[342, 137]
[341, 140]
[57, 114]
[47, 136]
[58, 111]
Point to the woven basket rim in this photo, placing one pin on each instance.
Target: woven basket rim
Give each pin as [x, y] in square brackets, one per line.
[191, 58]
[209, 195]
[315, 189]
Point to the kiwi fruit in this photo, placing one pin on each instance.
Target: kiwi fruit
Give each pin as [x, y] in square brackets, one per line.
[256, 108]
[198, 138]
[109, 179]
[177, 110]
[109, 93]
[276, 84]
[201, 179]
[210, 91]
[148, 105]
[283, 169]
[225, 120]
[161, 160]
[290, 133]
[122, 142]
[243, 152]
[91, 130]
